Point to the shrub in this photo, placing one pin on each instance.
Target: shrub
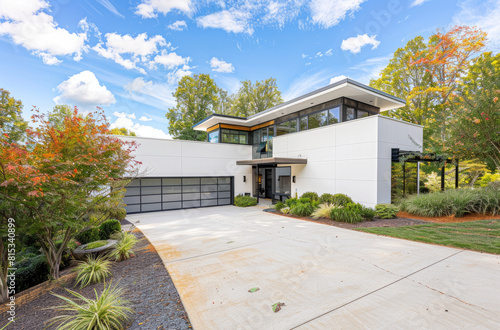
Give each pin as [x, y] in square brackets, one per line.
[35, 271]
[456, 202]
[343, 214]
[355, 207]
[326, 198]
[109, 227]
[285, 210]
[386, 211]
[278, 206]
[291, 202]
[311, 195]
[323, 211]
[89, 235]
[244, 201]
[368, 213]
[124, 246]
[304, 200]
[120, 213]
[302, 209]
[94, 270]
[341, 199]
[107, 311]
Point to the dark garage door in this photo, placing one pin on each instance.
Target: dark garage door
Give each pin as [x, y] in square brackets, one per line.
[162, 194]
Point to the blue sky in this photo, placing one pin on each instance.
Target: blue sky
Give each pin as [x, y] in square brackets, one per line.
[127, 56]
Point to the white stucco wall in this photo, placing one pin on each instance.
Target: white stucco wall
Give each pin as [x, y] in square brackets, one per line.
[353, 158]
[177, 158]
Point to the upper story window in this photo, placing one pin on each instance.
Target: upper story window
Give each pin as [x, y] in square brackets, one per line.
[233, 136]
[213, 136]
[321, 118]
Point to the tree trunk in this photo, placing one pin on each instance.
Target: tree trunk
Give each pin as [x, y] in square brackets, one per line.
[4, 266]
[54, 254]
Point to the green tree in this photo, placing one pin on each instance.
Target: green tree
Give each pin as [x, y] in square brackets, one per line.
[475, 121]
[196, 98]
[11, 120]
[254, 98]
[122, 131]
[58, 114]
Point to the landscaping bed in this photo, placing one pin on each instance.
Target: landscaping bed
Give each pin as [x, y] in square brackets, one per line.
[146, 282]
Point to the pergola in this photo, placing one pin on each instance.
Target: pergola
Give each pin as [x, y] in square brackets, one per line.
[418, 157]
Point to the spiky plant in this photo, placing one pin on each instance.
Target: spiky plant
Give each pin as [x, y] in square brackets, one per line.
[123, 249]
[107, 311]
[323, 211]
[94, 270]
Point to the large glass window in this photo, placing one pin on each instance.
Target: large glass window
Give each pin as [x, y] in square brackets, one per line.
[213, 136]
[303, 123]
[350, 114]
[314, 120]
[333, 115]
[233, 136]
[362, 114]
[283, 128]
[293, 125]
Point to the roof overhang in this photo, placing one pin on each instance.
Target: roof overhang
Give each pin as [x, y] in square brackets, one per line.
[344, 88]
[273, 161]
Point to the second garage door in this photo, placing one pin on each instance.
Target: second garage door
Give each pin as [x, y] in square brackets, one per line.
[167, 193]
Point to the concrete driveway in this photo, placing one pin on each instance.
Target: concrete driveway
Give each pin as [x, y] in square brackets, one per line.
[327, 277]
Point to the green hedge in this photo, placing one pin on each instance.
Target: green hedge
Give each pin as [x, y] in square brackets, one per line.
[456, 202]
[311, 195]
[34, 271]
[341, 199]
[89, 235]
[302, 209]
[109, 227]
[344, 214]
[244, 201]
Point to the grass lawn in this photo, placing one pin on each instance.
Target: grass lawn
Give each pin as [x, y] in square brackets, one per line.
[483, 235]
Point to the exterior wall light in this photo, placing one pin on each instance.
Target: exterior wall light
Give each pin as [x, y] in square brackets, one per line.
[293, 179]
[244, 178]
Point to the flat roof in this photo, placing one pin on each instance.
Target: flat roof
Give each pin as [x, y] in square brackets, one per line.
[344, 88]
[273, 161]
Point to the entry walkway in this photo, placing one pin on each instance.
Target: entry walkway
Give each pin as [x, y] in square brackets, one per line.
[328, 277]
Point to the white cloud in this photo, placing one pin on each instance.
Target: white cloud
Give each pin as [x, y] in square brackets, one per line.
[329, 52]
[150, 8]
[233, 20]
[137, 85]
[328, 13]
[84, 89]
[170, 60]
[337, 78]
[221, 65]
[307, 82]
[138, 129]
[173, 77]
[370, 69]
[354, 44]
[308, 63]
[138, 49]
[417, 2]
[30, 27]
[109, 6]
[304, 55]
[144, 118]
[484, 15]
[319, 54]
[124, 115]
[177, 26]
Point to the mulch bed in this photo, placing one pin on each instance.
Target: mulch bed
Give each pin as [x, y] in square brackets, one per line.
[376, 222]
[403, 219]
[146, 282]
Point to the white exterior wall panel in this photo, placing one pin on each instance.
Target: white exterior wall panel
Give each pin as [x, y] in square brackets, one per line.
[178, 158]
[353, 157]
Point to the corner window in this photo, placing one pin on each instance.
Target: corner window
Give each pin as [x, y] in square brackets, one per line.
[350, 114]
[333, 115]
[213, 136]
[303, 123]
[362, 113]
[233, 136]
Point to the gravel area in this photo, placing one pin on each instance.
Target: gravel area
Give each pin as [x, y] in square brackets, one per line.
[148, 287]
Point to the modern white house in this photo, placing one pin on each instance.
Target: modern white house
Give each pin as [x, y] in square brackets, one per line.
[332, 140]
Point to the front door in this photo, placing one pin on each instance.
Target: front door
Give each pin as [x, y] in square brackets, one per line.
[269, 183]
